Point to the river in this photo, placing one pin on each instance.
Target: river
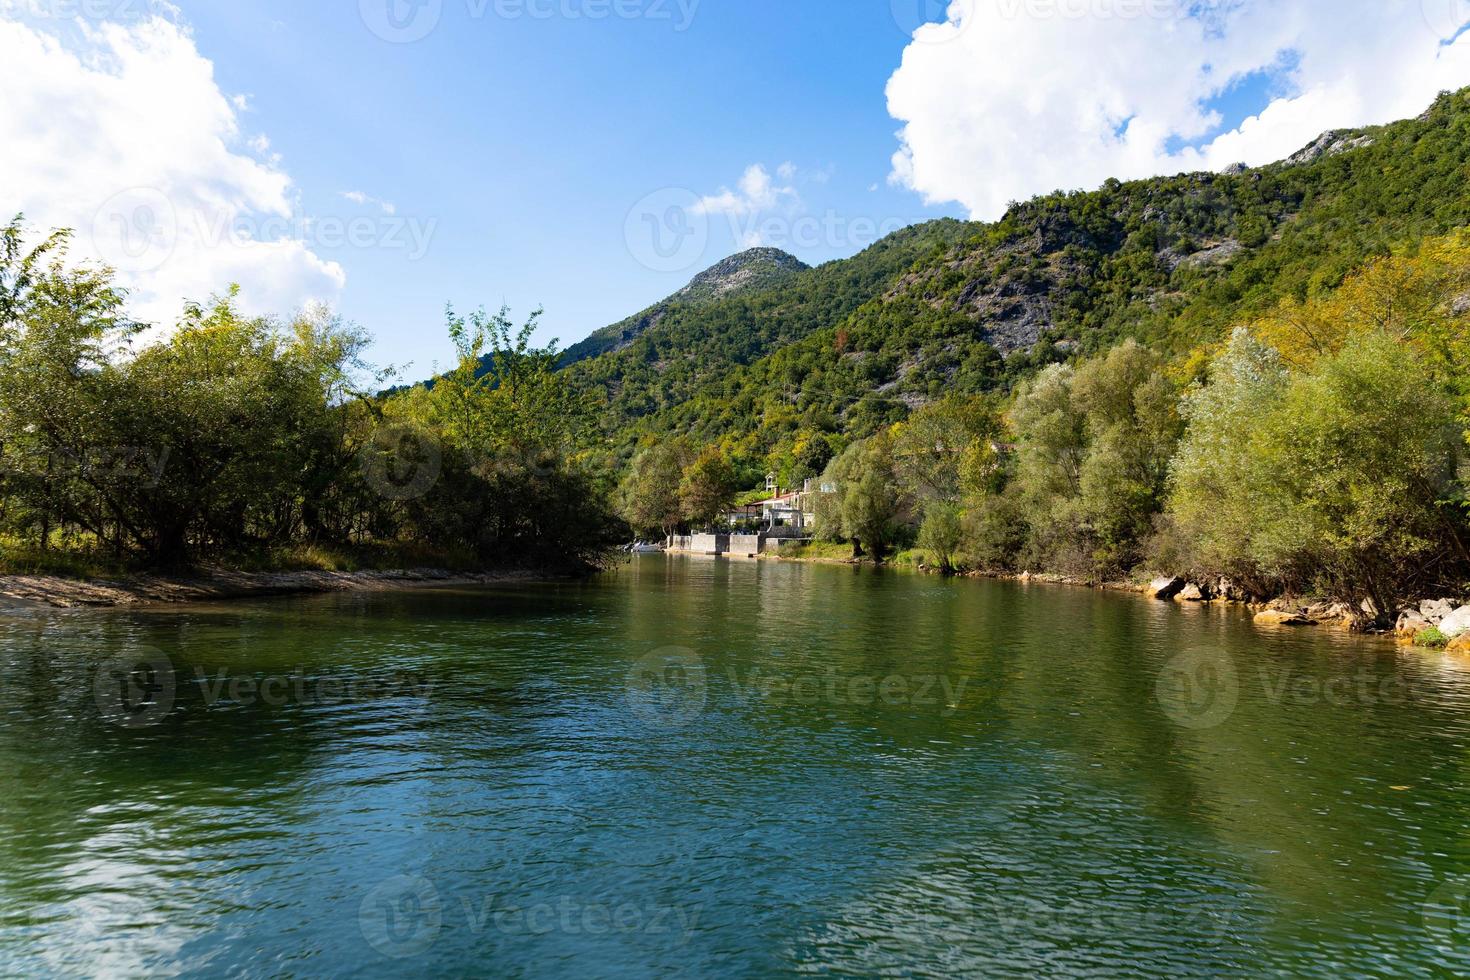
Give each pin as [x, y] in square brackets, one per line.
[715, 768]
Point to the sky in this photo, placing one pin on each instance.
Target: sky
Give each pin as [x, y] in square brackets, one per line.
[589, 156]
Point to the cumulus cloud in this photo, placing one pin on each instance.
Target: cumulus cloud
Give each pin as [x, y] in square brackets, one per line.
[358, 197]
[755, 192]
[757, 196]
[1007, 99]
[120, 132]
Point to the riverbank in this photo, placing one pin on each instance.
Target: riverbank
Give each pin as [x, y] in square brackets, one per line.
[213, 584]
[1410, 622]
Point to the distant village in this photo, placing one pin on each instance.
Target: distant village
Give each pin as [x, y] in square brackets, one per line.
[783, 519]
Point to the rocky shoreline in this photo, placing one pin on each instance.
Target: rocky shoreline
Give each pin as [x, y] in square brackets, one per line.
[214, 584]
[1447, 621]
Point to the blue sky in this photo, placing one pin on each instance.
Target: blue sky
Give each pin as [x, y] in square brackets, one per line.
[527, 142]
[590, 156]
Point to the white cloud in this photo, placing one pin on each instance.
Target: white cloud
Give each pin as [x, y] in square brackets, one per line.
[120, 131]
[755, 192]
[358, 197]
[1012, 98]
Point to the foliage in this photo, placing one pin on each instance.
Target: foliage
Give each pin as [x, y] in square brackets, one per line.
[844, 350]
[866, 507]
[1092, 459]
[649, 495]
[708, 487]
[1431, 638]
[1334, 477]
[236, 435]
[940, 534]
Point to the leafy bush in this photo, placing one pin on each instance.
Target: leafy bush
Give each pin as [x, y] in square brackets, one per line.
[1431, 638]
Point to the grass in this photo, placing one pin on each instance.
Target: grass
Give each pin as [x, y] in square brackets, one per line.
[73, 558]
[819, 551]
[1431, 638]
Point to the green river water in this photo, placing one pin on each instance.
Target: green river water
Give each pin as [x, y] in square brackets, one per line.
[732, 769]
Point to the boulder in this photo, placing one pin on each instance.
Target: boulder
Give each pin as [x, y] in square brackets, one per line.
[1460, 644]
[1456, 622]
[1166, 588]
[1333, 612]
[1436, 609]
[1411, 622]
[1276, 617]
[1193, 593]
[1227, 589]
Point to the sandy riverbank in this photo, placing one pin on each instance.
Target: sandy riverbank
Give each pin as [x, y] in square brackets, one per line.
[214, 584]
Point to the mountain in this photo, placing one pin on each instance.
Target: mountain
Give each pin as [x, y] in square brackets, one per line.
[748, 271]
[969, 307]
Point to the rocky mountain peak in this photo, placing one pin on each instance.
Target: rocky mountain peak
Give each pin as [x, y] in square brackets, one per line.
[752, 268]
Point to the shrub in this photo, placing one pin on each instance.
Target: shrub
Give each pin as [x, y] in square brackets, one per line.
[1432, 638]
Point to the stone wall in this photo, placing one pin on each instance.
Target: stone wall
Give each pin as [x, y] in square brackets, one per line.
[744, 545]
[709, 544]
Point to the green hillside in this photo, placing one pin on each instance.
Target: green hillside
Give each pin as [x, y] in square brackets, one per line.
[954, 307]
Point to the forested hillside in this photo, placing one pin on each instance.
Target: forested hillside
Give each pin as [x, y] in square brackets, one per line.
[951, 307]
[1259, 379]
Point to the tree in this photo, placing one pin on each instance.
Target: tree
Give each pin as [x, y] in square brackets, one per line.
[1366, 447]
[1222, 491]
[1335, 478]
[708, 488]
[866, 504]
[941, 534]
[649, 494]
